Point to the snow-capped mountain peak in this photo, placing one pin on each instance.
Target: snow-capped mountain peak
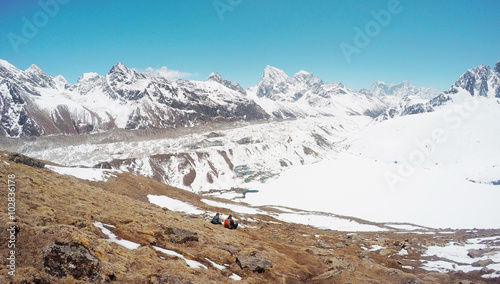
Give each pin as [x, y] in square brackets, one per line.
[308, 78]
[497, 67]
[40, 78]
[302, 73]
[119, 68]
[61, 82]
[34, 69]
[214, 76]
[403, 89]
[274, 75]
[480, 81]
[7, 65]
[120, 73]
[90, 76]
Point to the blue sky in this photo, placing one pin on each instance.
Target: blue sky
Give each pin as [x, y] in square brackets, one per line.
[429, 43]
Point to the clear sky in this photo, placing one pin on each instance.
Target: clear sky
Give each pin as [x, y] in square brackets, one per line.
[429, 43]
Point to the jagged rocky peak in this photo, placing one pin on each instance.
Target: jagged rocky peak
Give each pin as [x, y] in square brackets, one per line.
[61, 82]
[34, 69]
[88, 77]
[307, 78]
[480, 81]
[497, 67]
[6, 65]
[40, 78]
[120, 73]
[273, 74]
[403, 89]
[119, 68]
[60, 79]
[214, 76]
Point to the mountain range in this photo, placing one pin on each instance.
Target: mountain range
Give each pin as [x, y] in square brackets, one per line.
[181, 135]
[35, 104]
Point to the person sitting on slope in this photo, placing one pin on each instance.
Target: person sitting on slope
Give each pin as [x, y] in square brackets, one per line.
[216, 220]
[230, 224]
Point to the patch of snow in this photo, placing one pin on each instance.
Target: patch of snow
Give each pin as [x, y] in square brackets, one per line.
[406, 227]
[113, 238]
[220, 267]
[235, 277]
[457, 258]
[234, 207]
[418, 233]
[90, 174]
[191, 263]
[376, 248]
[442, 266]
[402, 252]
[174, 204]
[327, 222]
[491, 275]
[409, 267]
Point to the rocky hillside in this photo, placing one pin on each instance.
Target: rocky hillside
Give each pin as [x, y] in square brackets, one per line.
[70, 230]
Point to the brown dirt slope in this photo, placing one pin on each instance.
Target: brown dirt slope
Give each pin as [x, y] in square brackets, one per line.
[55, 210]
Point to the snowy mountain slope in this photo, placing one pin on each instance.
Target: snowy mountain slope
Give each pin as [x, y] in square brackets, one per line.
[435, 169]
[403, 89]
[34, 103]
[304, 94]
[480, 81]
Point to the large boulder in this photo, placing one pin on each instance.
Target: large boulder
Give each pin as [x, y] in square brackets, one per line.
[71, 259]
[180, 236]
[22, 159]
[103, 165]
[253, 262]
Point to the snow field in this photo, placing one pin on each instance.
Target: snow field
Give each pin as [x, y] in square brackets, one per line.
[372, 178]
[454, 257]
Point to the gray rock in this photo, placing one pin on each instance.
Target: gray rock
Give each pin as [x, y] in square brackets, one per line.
[412, 281]
[22, 159]
[181, 236]
[229, 248]
[482, 263]
[71, 259]
[245, 140]
[253, 262]
[474, 253]
[103, 165]
[214, 135]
